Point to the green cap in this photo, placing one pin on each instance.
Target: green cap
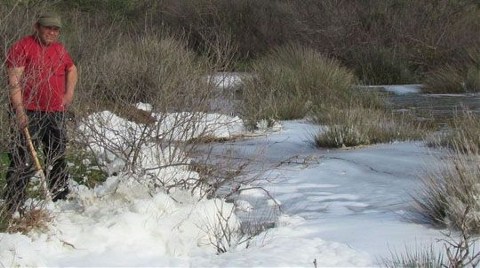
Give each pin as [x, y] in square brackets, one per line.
[50, 19]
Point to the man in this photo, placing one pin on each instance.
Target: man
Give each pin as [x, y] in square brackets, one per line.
[42, 79]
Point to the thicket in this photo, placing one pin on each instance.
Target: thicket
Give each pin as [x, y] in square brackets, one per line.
[118, 48]
[384, 41]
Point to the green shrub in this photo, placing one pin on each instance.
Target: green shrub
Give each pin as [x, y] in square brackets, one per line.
[290, 80]
[380, 65]
[84, 167]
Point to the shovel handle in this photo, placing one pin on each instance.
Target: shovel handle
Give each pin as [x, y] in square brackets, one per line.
[38, 166]
[31, 148]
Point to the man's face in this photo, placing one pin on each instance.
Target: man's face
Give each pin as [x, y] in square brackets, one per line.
[48, 34]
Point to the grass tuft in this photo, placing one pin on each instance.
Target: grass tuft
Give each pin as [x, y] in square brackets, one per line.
[450, 189]
[364, 126]
[417, 257]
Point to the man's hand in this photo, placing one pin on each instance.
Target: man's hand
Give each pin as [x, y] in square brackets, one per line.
[72, 78]
[21, 119]
[67, 100]
[16, 96]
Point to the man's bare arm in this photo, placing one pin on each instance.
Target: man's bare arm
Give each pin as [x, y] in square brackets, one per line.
[72, 78]
[16, 94]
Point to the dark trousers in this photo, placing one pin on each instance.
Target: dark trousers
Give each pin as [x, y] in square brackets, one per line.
[48, 132]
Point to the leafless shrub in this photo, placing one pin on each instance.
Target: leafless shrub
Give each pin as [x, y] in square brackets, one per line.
[225, 231]
[227, 174]
[253, 26]
[160, 73]
[222, 231]
[461, 251]
[457, 249]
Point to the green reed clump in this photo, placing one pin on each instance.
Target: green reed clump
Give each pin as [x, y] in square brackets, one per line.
[359, 125]
[290, 80]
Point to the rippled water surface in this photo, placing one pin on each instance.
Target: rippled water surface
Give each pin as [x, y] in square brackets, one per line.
[437, 107]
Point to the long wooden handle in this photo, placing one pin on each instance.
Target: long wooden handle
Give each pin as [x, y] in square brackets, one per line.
[38, 166]
[32, 150]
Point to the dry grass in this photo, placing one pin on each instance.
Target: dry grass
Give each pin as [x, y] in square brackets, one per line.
[446, 79]
[32, 219]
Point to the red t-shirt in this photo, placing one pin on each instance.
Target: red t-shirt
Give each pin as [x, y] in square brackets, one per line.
[45, 73]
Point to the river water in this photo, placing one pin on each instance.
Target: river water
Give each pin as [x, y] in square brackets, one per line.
[409, 98]
[437, 107]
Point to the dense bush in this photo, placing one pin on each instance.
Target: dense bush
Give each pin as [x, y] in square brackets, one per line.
[254, 26]
[421, 35]
[384, 41]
